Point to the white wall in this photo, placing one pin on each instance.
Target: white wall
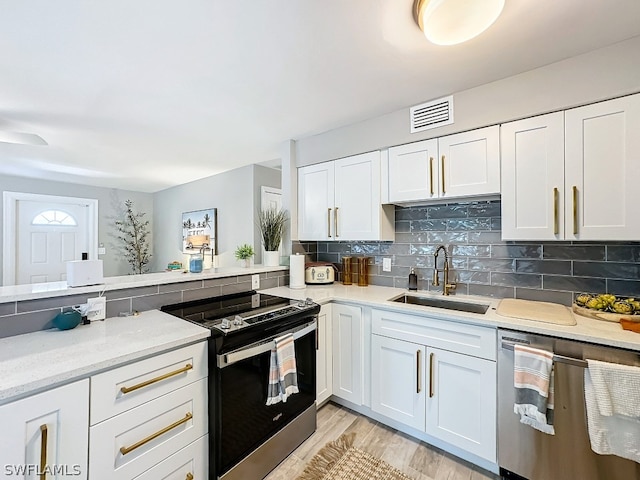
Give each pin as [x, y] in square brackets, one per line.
[110, 203]
[605, 73]
[232, 193]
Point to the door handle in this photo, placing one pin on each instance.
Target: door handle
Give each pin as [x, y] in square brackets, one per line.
[431, 389]
[126, 450]
[431, 175]
[575, 210]
[44, 435]
[186, 368]
[556, 227]
[418, 382]
[442, 173]
[335, 222]
[329, 222]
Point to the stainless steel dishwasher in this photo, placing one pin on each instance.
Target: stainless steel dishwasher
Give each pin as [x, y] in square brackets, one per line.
[524, 452]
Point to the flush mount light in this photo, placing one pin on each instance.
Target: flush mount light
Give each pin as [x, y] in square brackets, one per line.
[449, 22]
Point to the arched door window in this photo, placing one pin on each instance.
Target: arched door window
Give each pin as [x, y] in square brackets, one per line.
[54, 217]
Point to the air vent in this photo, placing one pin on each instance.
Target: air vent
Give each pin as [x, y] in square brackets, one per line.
[432, 114]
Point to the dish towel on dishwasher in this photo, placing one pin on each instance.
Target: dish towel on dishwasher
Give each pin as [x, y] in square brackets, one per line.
[612, 397]
[533, 381]
[283, 376]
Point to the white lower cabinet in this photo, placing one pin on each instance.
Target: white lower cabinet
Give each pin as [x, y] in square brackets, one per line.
[47, 433]
[347, 352]
[190, 463]
[450, 395]
[324, 364]
[398, 380]
[461, 409]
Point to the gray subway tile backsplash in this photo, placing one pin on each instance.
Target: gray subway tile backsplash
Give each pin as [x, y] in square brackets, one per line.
[484, 264]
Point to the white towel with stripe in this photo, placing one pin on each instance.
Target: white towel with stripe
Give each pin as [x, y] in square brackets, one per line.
[533, 381]
[283, 375]
[612, 398]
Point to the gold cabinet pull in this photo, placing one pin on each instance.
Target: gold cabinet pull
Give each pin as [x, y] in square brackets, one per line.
[186, 368]
[431, 175]
[575, 210]
[44, 434]
[329, 222]
[556, 225]
[418, 382]
[335, 222]
[125, 450]
[431, 392]
[442, 168]
[189, 476]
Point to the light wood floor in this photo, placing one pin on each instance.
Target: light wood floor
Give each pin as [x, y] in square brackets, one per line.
[416, 459]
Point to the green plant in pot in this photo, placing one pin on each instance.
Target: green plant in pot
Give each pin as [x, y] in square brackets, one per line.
[244, 253]
[271, 223]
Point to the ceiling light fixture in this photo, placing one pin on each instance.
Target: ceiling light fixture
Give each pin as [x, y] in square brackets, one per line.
[449, 22]
[22, 138]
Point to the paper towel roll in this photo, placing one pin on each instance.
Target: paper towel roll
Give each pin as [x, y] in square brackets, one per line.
[296, 271]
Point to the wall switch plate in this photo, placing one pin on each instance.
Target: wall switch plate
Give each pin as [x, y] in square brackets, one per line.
[97, 308]
[386, 264]
[255, 281]
[102, 250]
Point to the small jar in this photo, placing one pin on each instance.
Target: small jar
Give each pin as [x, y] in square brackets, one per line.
[347, 271]
[195, 263]
[363, 271]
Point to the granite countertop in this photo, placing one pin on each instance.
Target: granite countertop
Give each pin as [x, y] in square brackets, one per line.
[15, 293]
[587, 329]
[38, 361]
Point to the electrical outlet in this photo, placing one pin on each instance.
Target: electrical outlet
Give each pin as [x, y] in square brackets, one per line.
[386, 264]
[255, 282]
[97, 308]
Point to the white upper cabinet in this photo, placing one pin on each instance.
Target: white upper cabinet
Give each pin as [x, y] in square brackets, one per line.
[573, 175]
[602, 170]
[462, 165]
[340, 200]
[533, 178]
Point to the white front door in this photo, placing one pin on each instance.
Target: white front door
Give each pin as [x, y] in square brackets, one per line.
[42, 233]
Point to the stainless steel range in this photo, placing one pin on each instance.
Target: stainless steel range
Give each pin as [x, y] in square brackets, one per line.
[250, 437]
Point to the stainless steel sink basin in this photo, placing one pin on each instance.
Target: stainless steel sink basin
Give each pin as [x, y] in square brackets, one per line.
[442, 303]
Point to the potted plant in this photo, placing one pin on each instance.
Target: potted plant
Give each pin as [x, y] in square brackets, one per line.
[244, 253]
[133, 233]
[271, 224]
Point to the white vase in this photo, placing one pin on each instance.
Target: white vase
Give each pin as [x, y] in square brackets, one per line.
[245, 262]
[271, 259]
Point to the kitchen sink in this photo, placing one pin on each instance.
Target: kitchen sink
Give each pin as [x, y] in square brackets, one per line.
[442, 303]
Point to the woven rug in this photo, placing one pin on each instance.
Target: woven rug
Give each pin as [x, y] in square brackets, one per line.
[340, 460]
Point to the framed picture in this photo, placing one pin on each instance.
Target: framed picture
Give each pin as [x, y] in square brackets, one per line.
[200, 230]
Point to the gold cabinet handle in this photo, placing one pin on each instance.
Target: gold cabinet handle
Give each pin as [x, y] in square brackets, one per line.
[442, 168]
[125, 450]
[418, 381]
[335, 220]
[329, 222]
[189, 476]
[431, 175]
[44, 434]
[186, 368]
[556, 225]
[431, 392]
[575, 210]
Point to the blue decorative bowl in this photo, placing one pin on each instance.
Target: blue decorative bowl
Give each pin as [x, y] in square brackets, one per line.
[67, 320]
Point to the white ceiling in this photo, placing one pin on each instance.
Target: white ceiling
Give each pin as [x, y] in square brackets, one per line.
[147, 94]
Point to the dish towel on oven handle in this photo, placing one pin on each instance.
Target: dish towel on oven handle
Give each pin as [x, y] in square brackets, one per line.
[612, 398]
[283, 376]
[533, 381]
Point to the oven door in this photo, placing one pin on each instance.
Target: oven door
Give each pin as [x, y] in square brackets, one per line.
[244, 420]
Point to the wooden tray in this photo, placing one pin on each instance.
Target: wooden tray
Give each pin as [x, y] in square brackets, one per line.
[607, 316]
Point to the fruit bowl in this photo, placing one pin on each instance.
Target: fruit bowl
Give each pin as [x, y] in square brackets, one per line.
[607, 307]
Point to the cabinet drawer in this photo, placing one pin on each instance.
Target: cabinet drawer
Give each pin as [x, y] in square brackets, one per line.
[189, 463]
[145, 380]
[448, 335]
[148, 433]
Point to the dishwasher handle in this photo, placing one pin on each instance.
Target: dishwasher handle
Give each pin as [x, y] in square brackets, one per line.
[576, 362]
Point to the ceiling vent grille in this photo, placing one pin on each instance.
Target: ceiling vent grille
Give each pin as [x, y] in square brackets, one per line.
[432, 114]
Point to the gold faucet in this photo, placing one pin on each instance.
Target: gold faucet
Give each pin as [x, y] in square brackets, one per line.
[436, 281]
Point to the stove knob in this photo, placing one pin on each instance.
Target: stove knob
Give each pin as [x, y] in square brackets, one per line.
[225, 325]
[238, 320]
[308, 302]
[301, 303]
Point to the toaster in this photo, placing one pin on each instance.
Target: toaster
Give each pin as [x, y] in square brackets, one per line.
[319, 273]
